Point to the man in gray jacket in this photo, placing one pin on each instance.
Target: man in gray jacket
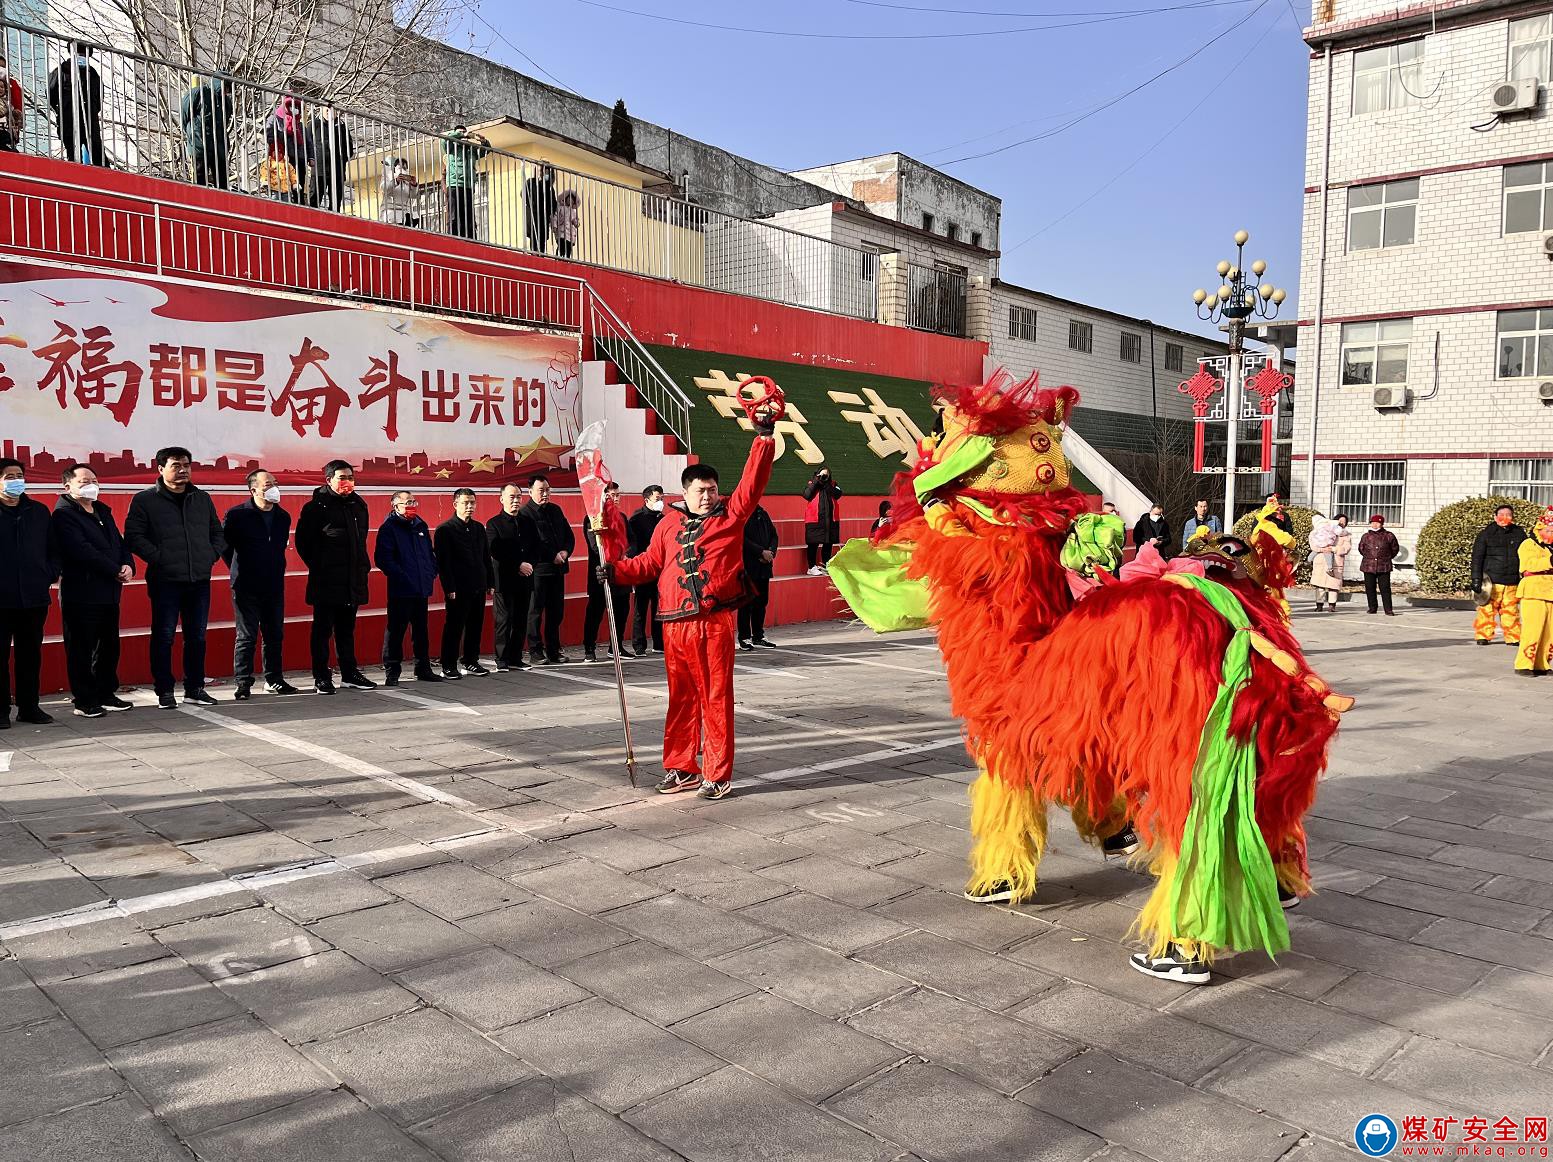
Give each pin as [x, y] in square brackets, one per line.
[173, 527]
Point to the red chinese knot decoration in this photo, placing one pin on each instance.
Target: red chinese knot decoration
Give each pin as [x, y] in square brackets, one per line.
[1267, 384]
[1201, 389]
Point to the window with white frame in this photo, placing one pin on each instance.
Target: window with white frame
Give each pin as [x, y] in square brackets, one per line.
[1368, 487]
[1021, 323]
[1531, 48]
[1389, 77]
[1081, 336]
[1374, 353]
[1525, 344]
[1383, 214]
[1175, 357]
[1528, 197]
[1528, 479]
[1132, 348]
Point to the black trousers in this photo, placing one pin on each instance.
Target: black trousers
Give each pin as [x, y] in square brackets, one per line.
[752, 617]
[1374, 582]
[406, 613]
[210, 169]
[593, 616]
[173, 602]
[646, 615]
[24, 628]
[338, 622]
[91, 650]
[461, 626]
[258, 616]
[461, 211]
[511, 611]
[814, 553]
[544, 614]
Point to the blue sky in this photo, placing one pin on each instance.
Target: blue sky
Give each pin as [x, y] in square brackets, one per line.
[1214, 145]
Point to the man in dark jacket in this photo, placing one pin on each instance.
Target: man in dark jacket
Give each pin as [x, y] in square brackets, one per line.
[640, 526]
[330, 142]
[403, 554]
[256, 533]
[206, 116]
[760, 550]
[553, 543]
[1152, 529]
[464, 565]
[1496, 562]
[94, 564]
[332, 542]
[28, 567]
[512, 559]
[75, 96]
[619, 595]
[173, 527]
[822, 519]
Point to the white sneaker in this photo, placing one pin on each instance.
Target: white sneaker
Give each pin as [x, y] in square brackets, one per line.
[816, 571]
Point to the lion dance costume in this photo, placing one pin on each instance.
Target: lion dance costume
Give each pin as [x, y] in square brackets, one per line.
[1056, 676]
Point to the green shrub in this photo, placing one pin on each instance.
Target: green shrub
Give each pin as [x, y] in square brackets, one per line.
[1444, 553]
[1302, 518]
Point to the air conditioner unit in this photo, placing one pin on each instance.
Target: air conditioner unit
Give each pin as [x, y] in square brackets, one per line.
[1390, 398]
[1547, 246]
[1515, 96]
[1545, 391]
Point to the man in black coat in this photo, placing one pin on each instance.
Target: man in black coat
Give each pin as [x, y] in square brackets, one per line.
[94, 565]
[256, 534]
[1152, 529]
[553, 543]
[822, 519]
[403, 554]
[760, 550]
[1496, 561]
[619, 595]
[332, 542]
[512, 559]
[28, 567]
[464, 568]
[640, 527]
[173, 527]
[75, 96]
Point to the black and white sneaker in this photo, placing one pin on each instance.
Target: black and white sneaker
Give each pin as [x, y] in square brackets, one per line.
[589, 657]
[715, 790]
[166, 702]
[244, 691]
[760, 641]
[1287, 900]
[89, 712]
[280, 687]
[1124, 842]
[1001, 892]
[323, 687]
[357, 681]
[427, 675]
[451, 674]
[198, 697]
[744, 644]
[473, 670]
[114, 702]
[1174, 965]
[673, 782]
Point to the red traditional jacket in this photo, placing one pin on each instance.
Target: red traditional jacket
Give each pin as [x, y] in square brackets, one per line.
[698, 561]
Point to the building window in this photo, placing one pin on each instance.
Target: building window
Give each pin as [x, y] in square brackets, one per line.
[1081, 336]
[1363, 488]
[1525, 344]
[1021, 323]
[952, 232]
[927, 222]
[1389, 77]
[1528, 479]
[1175, 357]
[1383, 214]
[1132, 348]
[1375, 353]
[1528, 197]
[1531, 48]
[975, 237]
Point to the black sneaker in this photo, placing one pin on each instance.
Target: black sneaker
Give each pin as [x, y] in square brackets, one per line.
[1287, 900]
[1481, 642]
[34, 716]
[589, 657]
[561, 660]
[243, 692]
[323, 687]
[357, 681]
[714, 790]
[473, 670]
[450, 674]
[535, 658]
[998, 893]
[390, 677]
[1171, 966]
[760, 641]
[503, 668]
[744, 644]
[673, 782]
[114, 702]
[198, 697]
[427, 675]
[280, 687]
[89, 712]
[640, 651]
[166, 702]
[1124, 842]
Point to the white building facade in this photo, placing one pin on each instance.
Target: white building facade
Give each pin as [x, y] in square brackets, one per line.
[1426, 281]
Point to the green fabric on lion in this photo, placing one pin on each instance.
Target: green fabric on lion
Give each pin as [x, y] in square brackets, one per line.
[872, 578]
[1095, 539]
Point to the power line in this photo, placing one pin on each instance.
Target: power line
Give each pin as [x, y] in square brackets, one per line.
[1045, 15]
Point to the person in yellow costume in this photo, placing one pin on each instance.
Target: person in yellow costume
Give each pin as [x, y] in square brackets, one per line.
[1536, 594]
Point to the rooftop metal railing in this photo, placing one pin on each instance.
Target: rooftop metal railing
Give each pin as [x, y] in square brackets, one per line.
[936, 300]
[148, 116]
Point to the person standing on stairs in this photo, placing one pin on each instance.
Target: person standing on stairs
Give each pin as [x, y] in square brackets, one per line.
[822, 519]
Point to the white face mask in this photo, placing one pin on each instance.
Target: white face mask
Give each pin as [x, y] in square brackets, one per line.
[656, 505]
[272, 494]
[89, 491]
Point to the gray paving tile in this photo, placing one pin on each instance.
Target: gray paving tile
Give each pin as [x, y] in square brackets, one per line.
[19, 849]
[317, 996]
[1352, 911]
[825, 922]
[1090, 960]
[652, 982]
[395, 936]
[85, 949]
[607, 1055]
[1293, 972]
[813, 977]
[119, 1130]
[200, 1078]
[589, 887]
[1512, 949]
[1452, 1075]
[453, 891]
[693, 928]
[240, 853]
[712, 882]
[932, 869]
[49, 1066]
[321, 896]
[1158, 1117]
[417, 1065]
[21, 1001]
[622, 850]
[544, 933]
[130, 1004]
[989, 928]
[770, 1127]
[332, 1127]
[942, 1115]
[850, 844]
[976, 976]
[490, 988]
[837, 880]
[1406, 962]
[239, 942]
[1472, 1023]
[1411, 868]
[1510, 988]
[43, 889]
[731, 845]
[199, 821]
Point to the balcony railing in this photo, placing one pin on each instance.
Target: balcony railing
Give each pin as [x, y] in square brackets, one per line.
[936, 300]
[160, 120]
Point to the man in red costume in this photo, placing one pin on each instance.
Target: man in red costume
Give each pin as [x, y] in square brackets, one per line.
[696, 556]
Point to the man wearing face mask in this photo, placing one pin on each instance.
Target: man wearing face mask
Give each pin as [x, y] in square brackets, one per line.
[553, 542]
[173, 527]
[256, 533]
[640, 527]
[464, 565]
[403, 554]
[94, 565]
[28, 567]
[512, 559]
[332, 542]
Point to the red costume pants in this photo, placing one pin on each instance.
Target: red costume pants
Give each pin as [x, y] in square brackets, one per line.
[698, 653]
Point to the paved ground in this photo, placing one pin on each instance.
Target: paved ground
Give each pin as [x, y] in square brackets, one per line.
[440, 925]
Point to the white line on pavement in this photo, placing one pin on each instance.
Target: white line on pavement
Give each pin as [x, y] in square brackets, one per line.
[5, 758]
[859, 661]
[428, 703]
[762, 671]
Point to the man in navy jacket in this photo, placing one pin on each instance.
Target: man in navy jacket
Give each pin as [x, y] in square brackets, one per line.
[404, 555]
[27, 569]
[94, 565]
[256, 533]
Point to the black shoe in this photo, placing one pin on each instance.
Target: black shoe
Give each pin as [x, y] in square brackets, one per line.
[114, 702]
[357, 681]
[323, 687]
[640, 651]
[503, 667]
[166, 702]
[1481, 642]
[427, 675]
[760, 641]
[589, 657]
[1287, 900]
[1390, 613]
[390, 676]
[998, 893]
[714, 790]
[535, 658]
[473, 670]
[243, 692]
[34, 716]
[744, 644]
[450, 674]
[674, 782]
[1124, 842]
[89, 712]
[198, 697]
[1171, 966]
[280, 687]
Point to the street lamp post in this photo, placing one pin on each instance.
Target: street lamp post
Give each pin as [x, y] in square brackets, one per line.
[1240, 296]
